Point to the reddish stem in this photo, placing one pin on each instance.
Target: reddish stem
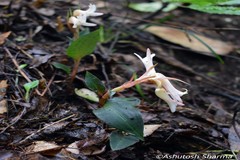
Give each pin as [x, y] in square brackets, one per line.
[75, 69]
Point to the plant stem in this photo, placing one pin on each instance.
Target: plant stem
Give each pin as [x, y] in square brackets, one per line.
[75, 69]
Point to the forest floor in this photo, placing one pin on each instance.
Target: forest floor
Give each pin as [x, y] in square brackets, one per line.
[55, 117]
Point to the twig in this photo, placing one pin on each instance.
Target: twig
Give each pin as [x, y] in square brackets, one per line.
[17, 119]
[22, 141]
[105, 75]
[19, 69]
[48, 85]
[16, 64]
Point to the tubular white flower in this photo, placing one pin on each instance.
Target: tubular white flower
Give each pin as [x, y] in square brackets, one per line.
[79, 17]
[91, 11]
[148, 62]
[74, 21]
[165, 90]
[82, 19]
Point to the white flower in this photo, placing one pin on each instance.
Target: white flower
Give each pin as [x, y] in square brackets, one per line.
[79, 17]
[90, 12]
[165, 90]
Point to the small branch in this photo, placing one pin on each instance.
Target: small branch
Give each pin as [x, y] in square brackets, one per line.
[24, 111]
[48, 85]
[19, 69]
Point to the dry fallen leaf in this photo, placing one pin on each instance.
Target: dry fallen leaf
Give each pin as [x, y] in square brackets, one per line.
[46, 148]
[91, 150]
[3, 107]
[3, 102]
[4, 36]
[149, 129]
[186, 40]
[233, 138]
[73, 148]
[3, 88]
[39, 60]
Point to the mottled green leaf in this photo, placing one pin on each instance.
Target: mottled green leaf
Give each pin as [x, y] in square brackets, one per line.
[86, 93]
[146, 7]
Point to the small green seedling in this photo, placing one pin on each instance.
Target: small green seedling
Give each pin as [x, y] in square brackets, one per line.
[28, 87]
[21, 67]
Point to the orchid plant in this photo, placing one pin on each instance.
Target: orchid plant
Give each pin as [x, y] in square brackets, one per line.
[122, 113]
[164, 89]
[85, 44]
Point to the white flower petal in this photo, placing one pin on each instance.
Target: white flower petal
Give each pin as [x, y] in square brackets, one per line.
[74, 21]
[161, 93]
[164, 90]
[89, 12]
[92, 8]
[81, 16]
[77, 12]
[148, 62]
[88, 24]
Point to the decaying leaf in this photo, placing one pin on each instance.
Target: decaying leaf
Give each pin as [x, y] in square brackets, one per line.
[3, 106]
[3, 102]
[46, 148]
[189, 41]
[38, 60]
[89, 146]
[3, 88]
[46, 11]
[233, 138]
[149, 129]
[52, 128]
[91, 150]
[73, 148]
[4, 36]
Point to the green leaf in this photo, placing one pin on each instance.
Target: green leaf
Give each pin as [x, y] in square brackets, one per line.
[146, 7]
[217, 9]
[122, 114]
[205, 44]
[21, 67]
[171, 6]
[231, 2]
[130, 102]
[120, 141]
[31, 85]
[28, 87]
[198, 2]
[138, 87]
[94, 83]
[61, 66]
[212, 6]
[84, 45]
